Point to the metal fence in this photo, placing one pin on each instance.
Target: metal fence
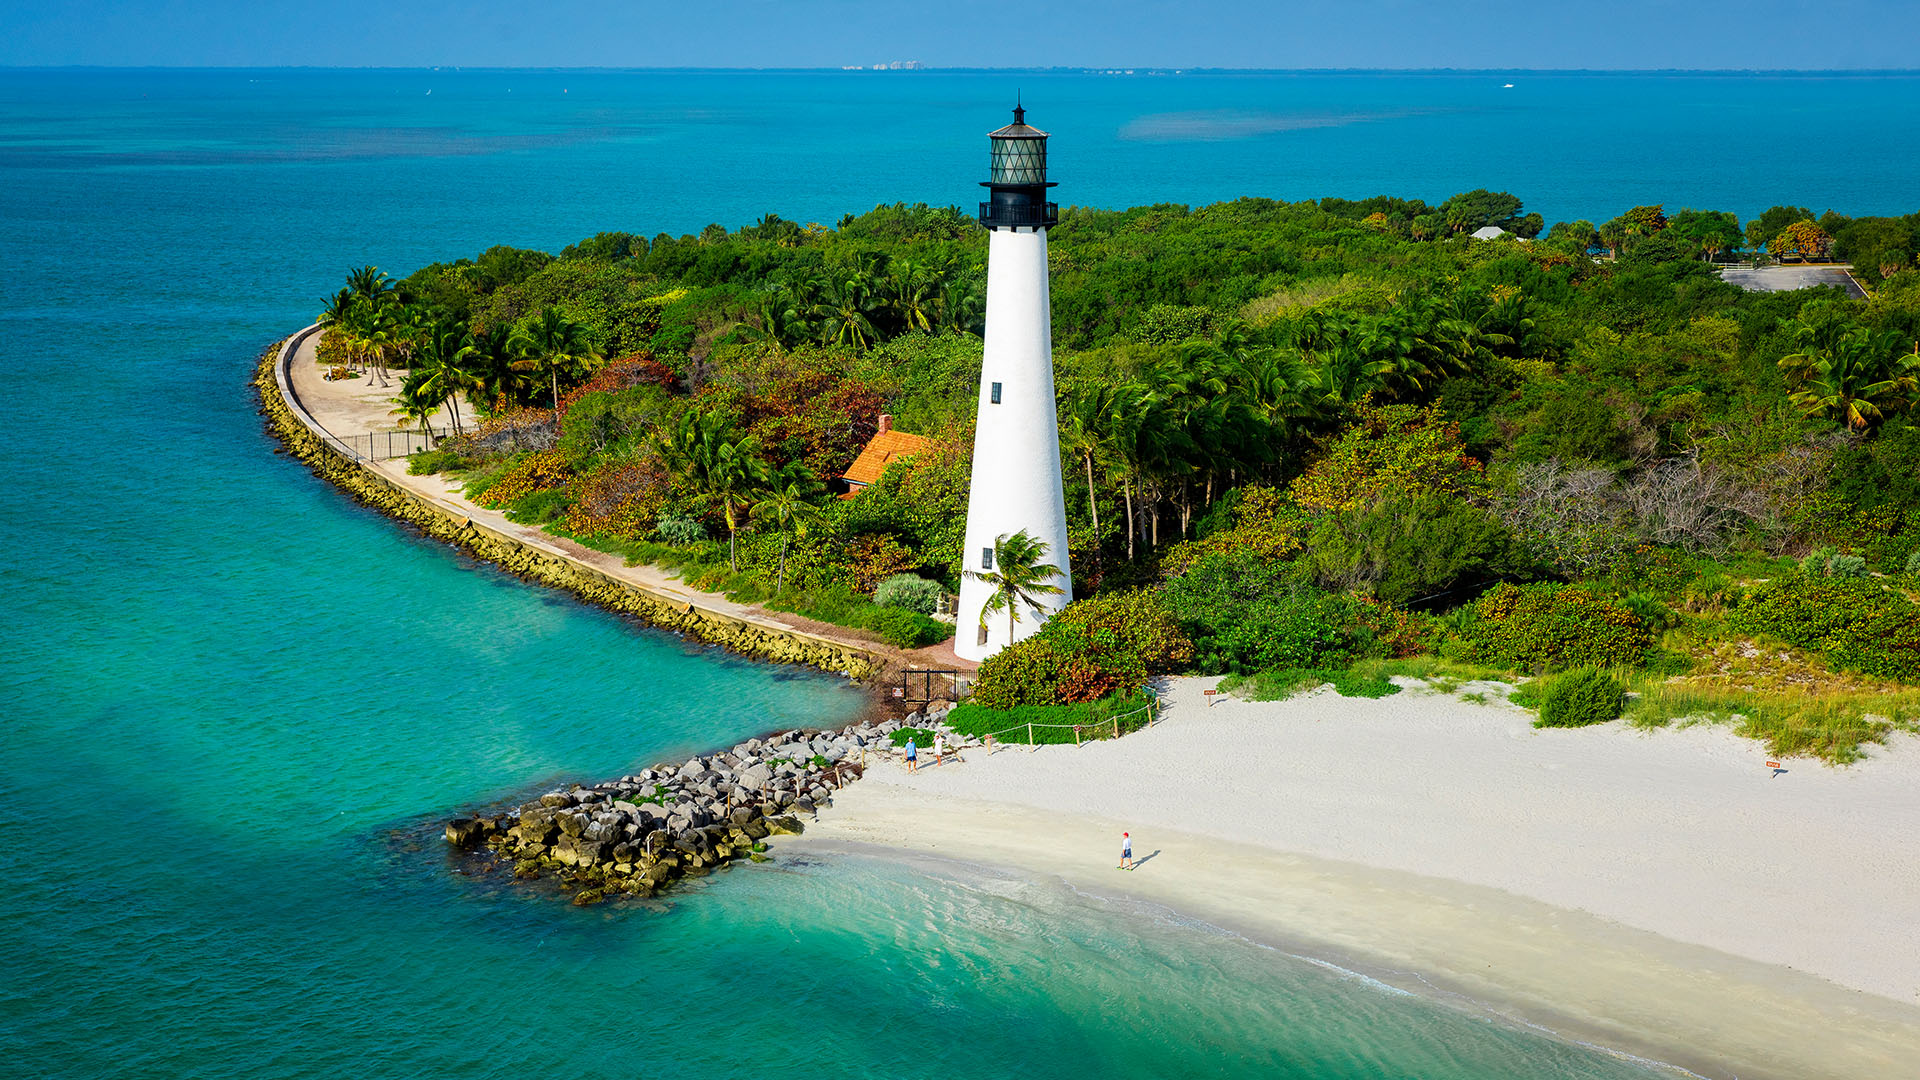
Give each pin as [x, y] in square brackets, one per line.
[925, 685]
[383, 445]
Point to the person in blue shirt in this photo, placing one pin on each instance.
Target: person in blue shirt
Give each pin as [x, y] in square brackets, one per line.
[913, 757]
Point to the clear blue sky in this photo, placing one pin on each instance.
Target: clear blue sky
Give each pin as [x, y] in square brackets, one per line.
[1798, 34]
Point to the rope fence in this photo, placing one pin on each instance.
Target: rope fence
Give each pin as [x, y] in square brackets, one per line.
[1080, 730]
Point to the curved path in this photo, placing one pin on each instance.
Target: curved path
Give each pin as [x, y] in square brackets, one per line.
[358, 406]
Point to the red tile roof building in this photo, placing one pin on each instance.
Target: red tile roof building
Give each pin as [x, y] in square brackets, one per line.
[886, 447]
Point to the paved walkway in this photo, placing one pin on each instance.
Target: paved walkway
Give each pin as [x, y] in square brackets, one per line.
[360, 405]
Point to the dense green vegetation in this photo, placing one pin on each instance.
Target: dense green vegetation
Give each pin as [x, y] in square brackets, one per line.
[1580, 697]
[1298, 437]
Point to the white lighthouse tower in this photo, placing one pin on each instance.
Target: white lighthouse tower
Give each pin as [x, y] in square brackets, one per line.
[1016, 446]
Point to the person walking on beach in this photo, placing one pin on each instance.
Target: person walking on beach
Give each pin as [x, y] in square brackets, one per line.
[913, 755]
[1126, 851]
[939, 747]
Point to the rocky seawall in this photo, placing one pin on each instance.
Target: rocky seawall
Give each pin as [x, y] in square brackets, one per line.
[532, 564]
[638, 834]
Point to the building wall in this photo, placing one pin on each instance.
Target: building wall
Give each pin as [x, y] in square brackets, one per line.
[1016, 448]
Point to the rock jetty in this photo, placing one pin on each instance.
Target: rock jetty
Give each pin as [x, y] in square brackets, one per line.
[638, 834]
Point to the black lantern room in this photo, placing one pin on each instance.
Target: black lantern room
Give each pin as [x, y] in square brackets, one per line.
[1019, 178]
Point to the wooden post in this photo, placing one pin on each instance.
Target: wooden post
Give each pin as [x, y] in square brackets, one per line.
[1116, 727]
[1076, 734]
[1029, 733]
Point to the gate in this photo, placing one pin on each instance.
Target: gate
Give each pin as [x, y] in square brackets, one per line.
[926, 685]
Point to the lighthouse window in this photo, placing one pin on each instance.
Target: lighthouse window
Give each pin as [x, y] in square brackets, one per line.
[982, 639]
[996, 393]
[986, 558]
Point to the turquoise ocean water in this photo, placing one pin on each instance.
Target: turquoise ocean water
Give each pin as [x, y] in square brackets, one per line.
[234, 703]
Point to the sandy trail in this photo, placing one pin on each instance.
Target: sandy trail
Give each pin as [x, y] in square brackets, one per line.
[1661, 892]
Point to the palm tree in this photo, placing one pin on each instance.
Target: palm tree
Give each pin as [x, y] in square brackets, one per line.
[498, 383]
[417, 402]
[339, 308]
[370, 331]
[729, 473]
[1085, 435]
[369, 283]
[917, 296]
[845, 312]
[549, 343]
[1851, 374]
[966, 307]
[441, 364]
[1018, 577]
[792, 500]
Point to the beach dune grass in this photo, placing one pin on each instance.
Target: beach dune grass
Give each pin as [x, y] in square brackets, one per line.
[1832, 726]
[1361, 679]
[1284, 683]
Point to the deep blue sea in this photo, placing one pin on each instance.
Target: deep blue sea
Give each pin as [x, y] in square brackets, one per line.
[235, 703]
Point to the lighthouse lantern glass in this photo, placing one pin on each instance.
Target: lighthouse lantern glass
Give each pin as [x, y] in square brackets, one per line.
[1019, 161]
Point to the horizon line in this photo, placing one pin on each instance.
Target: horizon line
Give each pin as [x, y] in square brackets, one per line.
[1092, 69]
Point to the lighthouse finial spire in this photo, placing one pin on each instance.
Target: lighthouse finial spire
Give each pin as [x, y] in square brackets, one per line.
[1019, 113]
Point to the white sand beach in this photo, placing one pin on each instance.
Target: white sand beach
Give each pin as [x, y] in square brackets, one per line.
[1662, 893]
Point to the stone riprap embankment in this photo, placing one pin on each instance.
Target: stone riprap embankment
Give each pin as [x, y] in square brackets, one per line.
[637, 834]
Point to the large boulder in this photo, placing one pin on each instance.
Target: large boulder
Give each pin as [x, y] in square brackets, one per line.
[466, 832]
[572, 824]
[578, 852]
[756, 776]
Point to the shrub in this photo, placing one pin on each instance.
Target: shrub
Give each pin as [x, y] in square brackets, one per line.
[1856, 623]
[1266, 523]
[922, 737]
[1244, 614]
[429, 462]
[1400, 449]
[871, 558]
[1024, 673]
[1130, 634]
[1580, 697]
[1913, 564]
[903, 629]
[538, 471]
[1550, 626]
[1414, 547]
[540, 507]
[679, 530]
[1090, 649]
[1830, 562]
[1051, 723]
[618, 498]
[909, 592]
